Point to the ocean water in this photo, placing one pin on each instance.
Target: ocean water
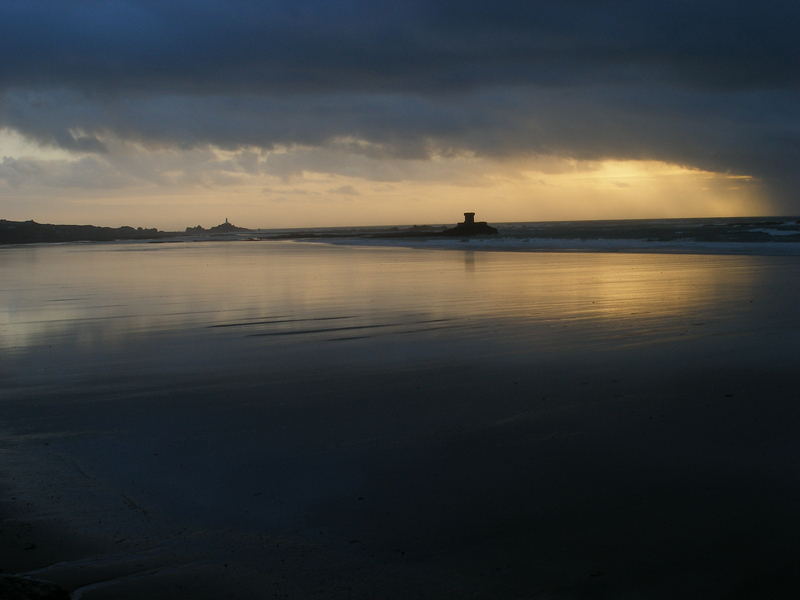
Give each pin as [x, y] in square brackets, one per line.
[739, 235]
[343, 420]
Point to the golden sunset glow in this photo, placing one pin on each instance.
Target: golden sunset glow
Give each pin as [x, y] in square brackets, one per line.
[299, 187]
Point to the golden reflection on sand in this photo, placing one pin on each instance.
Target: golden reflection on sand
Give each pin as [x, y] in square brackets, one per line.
[97, 296]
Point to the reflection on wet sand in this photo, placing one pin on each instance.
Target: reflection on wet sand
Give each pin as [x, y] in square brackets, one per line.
[95, 296]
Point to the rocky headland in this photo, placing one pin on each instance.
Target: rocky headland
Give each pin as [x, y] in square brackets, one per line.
[31, 232]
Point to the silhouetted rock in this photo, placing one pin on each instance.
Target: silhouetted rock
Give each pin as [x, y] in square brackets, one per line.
[226, 227]
[470, 227]
[22, 588]
[195, 229]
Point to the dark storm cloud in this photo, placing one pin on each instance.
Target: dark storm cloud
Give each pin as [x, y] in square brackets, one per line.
[708, 84]
[425, 46]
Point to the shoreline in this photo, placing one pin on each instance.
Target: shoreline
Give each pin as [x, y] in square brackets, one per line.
[556, 245]
[735, 236]
[482, 244]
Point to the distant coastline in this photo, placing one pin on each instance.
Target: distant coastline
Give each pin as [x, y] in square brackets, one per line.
[733, 235]
[31, 232]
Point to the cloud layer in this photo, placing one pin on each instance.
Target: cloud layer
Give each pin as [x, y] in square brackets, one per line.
[713, 85]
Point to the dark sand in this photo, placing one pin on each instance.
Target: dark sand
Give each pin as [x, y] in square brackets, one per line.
[546, 454]
[604, 485]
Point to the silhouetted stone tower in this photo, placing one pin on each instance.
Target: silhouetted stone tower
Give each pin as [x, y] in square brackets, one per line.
[470, 227]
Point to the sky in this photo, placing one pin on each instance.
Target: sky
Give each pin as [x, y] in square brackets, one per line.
[296, 113]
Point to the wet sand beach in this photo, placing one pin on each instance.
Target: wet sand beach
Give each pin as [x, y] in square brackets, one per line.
[275, 419]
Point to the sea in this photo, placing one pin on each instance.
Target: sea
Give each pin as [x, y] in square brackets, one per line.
[568, 410]
[739, 235]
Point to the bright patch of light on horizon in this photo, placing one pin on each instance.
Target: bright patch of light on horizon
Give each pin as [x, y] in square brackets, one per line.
[627, 170]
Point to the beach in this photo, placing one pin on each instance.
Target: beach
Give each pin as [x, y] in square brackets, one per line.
[296, 420]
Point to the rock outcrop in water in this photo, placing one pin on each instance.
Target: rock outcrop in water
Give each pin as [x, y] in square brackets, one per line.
[470, 227]
[225, 227]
